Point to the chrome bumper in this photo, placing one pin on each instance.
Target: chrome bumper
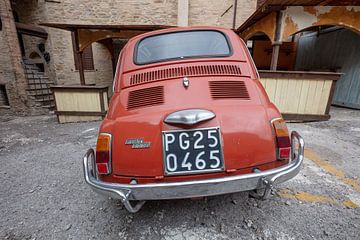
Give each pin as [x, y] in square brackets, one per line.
[197, 188]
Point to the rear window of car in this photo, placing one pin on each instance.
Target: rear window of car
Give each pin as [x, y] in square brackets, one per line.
[181, 45]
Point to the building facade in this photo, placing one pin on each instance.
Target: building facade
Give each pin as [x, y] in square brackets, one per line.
[34, 57]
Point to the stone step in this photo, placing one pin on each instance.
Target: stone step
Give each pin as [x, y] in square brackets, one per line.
[44, 102]
[39, 91]
[49, 106]
[36, 81]
[38, 86]
[40, 94]
[32, 76]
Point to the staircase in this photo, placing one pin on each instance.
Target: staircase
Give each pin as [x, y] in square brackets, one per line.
[39, 86]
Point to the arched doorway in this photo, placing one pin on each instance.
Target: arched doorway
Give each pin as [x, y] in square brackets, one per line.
[260, 47]
[333, 48]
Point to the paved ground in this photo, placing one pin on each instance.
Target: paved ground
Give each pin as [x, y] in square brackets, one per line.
[43, 195]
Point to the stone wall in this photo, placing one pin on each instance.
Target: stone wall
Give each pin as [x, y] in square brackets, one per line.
[219, 13]
[11, 72]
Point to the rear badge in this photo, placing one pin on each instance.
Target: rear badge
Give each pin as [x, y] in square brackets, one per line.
[186, 82]
[137, 143]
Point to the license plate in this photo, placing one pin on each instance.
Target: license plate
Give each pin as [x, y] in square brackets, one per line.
[192, 151]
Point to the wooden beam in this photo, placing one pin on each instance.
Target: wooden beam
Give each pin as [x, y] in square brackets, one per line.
[78, 55]
[305, 117]
[31, 30]
[331, 96]
[300, 75]
[77, 113]
[275, 56]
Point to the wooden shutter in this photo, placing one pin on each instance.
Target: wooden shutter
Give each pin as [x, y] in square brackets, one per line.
[87, 57]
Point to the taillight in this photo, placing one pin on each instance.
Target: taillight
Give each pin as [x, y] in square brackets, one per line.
[103, 154]
[282, 139]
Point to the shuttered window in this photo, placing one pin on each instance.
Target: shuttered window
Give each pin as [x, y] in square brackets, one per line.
[87, 57]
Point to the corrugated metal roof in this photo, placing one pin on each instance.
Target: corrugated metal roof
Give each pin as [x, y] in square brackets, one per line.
[275, 5]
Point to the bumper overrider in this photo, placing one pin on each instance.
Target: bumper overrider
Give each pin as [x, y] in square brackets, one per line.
[265, 180]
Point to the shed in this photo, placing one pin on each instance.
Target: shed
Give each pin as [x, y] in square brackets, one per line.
[309, 36]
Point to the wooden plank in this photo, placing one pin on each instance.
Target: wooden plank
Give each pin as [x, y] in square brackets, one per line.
[310, 97]
[70, 119]
[305, 117]
[300, 75]
[271, 88]
[303, 96]
[324, 99]
[105, 96]
[77, 101]
[77, 113]
[292, 96]
[317, 97]
[278, 94]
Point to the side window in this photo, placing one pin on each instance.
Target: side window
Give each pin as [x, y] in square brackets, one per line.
[87, 57]
[117, 72]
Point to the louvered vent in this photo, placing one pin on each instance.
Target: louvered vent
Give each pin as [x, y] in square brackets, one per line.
[229, 89]
[145, 97]
[200, 70]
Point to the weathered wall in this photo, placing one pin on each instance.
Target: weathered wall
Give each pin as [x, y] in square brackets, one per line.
[336, 50]
[62, 66]
[213, 12]
[11, 71]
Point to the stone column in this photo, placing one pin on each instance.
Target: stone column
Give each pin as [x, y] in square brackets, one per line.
[183, 13]
[12, 70]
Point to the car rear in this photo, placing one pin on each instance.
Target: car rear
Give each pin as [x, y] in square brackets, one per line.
[178, 118]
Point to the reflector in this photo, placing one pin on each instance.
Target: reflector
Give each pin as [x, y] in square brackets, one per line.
[282, 139]
[102, 168]
[103, 154]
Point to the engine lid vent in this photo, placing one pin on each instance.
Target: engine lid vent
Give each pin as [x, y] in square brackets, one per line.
[145, 97]
[198, 70]
[228, 89]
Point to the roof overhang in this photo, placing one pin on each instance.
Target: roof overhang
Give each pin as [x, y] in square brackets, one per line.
[275, 5]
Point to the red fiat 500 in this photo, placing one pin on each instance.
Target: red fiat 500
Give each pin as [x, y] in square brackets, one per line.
[189, 118]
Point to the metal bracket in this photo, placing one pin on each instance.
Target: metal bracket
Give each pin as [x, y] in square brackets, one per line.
[267, 190]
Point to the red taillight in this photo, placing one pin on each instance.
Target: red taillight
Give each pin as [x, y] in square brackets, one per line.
[103, 154]
[282, 139]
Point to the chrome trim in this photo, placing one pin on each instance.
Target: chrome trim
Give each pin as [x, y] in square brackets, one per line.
[189, 116]
[186, 82]
[197, 188]
[222, 168]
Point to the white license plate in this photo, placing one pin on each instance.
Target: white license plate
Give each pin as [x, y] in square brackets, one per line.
[192, 151]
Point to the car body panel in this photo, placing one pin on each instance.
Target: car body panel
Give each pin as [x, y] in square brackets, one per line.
[247, 136]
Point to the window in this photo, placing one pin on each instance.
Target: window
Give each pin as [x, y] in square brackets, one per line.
[181, 45]
[4, 101]
[87, 57]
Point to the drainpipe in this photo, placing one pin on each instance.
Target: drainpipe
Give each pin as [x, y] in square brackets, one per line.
[235, 10]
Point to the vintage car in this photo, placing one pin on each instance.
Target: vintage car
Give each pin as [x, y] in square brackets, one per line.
[189, 118]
